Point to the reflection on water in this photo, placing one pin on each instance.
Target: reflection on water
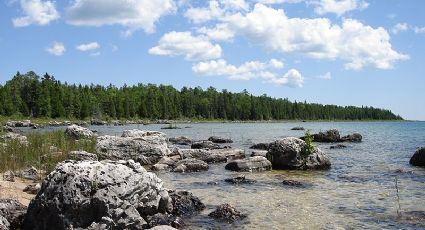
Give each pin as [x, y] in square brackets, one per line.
[357, 192]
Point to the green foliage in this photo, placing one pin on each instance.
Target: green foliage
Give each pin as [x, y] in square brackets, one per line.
[29, 95]
[309, 147]
[39, 153]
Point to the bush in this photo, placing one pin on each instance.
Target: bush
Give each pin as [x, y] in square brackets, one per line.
[309, 147]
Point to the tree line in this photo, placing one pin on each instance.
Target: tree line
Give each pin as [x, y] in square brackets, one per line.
[30, 95]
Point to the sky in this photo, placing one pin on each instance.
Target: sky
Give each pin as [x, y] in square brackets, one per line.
[343, 52]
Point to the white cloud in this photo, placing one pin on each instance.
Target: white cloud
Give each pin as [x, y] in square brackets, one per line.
[220, 32]
[279, 1]
[95, 54]
[88, 46]
[338, 7]
[399, 27]
[326, 76]
[419, 30]
[132, 14]
[358, 44]
[200, 15]
[36, 12]
[56, 48]
[250, 70]
[184, 44]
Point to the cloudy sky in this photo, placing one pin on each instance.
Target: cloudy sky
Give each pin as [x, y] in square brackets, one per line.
[345, 52]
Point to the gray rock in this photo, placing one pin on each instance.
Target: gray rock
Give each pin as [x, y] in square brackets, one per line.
[106, 194]
[4, 224]
[261, 146]
[78, 132]
[338, 146]
[180, 140]
[239, 180]
[220, 140]
[30, 173]
[257, 163]
[226, 212]
[418, 159]
[161, 220]
[214, 155]
[98, 122]
[327, 136]
[206, 145]
[190, 165]
[145, 147]
[9, 176]
[298, 128]
[291, 153]
[163, 227]
[14, 137]
[184, 203]
[261, 153]
[160, 167]
[13, 212]
[292, 183]
[82, 156]
[32, 188]
[356, 137]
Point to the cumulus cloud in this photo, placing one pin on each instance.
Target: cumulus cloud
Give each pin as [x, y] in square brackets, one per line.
[215, 10]
[185, 44]
[338, 7]
[358, 44]
[399, 27]
[221, 32]
[326, 76]
[56, 48]
[133, 14]
[88, 46]
[36, 12]
[250, 70]
[419, 30]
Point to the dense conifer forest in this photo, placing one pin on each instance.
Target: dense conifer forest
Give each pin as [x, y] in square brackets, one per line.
[30, 95]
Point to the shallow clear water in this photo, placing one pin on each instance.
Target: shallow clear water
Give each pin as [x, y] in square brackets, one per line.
[358, 192]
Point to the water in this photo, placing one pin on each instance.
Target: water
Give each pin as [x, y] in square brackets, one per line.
[358, 192]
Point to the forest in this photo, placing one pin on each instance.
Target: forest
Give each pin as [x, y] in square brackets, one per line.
[29, 95]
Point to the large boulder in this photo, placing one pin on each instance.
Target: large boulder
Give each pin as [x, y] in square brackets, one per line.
[327, 136]
[8, 137]
[214, 155]
[292, 153]
[220, 140]
[146, 147]
[182, 140]
[418, 159]
[257, 163]
[190, 165]
[355, 137]
[207, 145]
[4, 224]
[78, 132]
[111, 194]
[13, 212]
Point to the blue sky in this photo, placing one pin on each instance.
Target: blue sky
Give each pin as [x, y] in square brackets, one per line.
[345, 52]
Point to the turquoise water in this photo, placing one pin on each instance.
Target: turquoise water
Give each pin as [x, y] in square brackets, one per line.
[358, 192]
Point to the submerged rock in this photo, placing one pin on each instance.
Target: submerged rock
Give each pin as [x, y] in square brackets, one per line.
[298, 128]
[257, 163]
[82, 156]
[106, 194]
[220, 140]
[184, 203]
[146, 147]
[261, 146]
[182, 140]
[262, 153]
[418, 159]
[356, 137]
[78, 132]
[228, 213]
[292, 183]
[290, 153]
[239, 180]
[338, 146]
[190, 165]
[13, 212]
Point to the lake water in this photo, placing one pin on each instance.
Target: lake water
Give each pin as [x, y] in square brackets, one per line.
[358, 192]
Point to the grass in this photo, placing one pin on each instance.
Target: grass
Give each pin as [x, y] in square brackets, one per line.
[39, 151]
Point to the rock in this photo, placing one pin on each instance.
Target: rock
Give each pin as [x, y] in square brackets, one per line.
[190, 165]
[338, 146]
[30, 173]
[32, 189]
[239, 180]
[290, 153]
[205, 145]
[98, 122]
[163, 227]
[261, 153]
[106, 194]
[164, 221]
[145, 147]
[185, 203]
[13, 211]
[220, 140]
[356, 137]
[214, 155]
[18, 124]
[328, 136]
[418, 159]
[257, 163]
[298, 128]
[11, 129]
[14, 136]
[82, 156]
[261, 146]
[160, 167]
[78, 132]
[180, 140]
[226, 212]
[9, 176]
[4, 224]
[292, 183]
